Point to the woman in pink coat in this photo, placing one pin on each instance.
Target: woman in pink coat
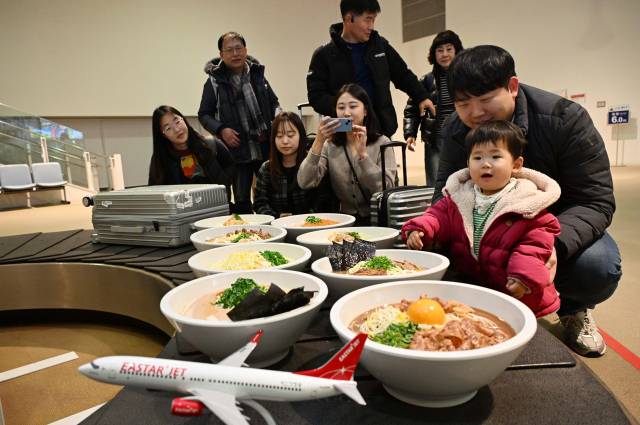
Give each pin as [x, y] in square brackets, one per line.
[495, 219]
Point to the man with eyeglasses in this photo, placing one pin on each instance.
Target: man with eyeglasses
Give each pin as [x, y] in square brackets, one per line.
[358, 54]
[237, 106]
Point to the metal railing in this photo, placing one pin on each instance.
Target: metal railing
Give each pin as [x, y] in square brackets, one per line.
[27, 139]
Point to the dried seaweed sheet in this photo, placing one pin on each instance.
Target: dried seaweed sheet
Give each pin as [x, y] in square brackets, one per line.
[366, 250]
[334, 253]
[293, 299]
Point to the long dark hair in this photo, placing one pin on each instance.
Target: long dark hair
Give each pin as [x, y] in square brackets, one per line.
[275, 156]
[370, 120]
[162, 146]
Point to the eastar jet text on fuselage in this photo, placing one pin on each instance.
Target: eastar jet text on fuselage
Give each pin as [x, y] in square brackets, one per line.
[220, 386]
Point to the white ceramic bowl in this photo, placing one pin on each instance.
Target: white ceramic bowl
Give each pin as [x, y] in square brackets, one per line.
[201, 260]
[436, 379]
[343, 220]
[317, 241]
[341, 284]
[220, 339]
[208, 223]
[199, 239]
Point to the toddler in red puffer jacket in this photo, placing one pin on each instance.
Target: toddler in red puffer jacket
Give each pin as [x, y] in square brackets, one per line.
[495, 219]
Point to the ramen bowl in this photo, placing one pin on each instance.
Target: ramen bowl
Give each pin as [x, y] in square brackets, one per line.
[341, 284]
[200, 262]
[343, 220]
[220, 339]
[317, 242]
[427, 378]
[199, 239]
[208, 223]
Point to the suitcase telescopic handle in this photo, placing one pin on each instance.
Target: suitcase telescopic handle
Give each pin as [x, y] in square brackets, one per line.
[300, 106]
[383, 147]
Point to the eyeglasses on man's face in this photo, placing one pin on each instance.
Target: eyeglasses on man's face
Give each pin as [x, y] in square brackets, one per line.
[169, 130]
[238, 49]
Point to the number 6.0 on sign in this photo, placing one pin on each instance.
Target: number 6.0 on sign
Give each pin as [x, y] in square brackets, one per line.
[618, 114]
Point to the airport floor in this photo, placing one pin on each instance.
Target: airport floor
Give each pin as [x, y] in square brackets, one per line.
[58, 392]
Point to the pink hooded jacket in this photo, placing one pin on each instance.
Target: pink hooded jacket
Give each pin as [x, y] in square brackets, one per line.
[518, 239]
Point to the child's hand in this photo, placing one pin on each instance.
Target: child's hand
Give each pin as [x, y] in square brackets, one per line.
[517, 289]
[414, 241]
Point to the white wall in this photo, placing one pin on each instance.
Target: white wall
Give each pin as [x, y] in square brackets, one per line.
[93, 58]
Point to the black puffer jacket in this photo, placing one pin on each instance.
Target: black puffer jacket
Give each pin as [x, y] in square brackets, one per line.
[564, 145]
[426, 123]
[220, 168]
[332, 67]
[218, 106]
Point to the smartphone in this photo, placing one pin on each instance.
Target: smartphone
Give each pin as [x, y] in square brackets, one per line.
[345, 125]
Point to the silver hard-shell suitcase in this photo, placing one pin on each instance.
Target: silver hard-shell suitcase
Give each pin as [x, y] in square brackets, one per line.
[394, 207]
[155, 215]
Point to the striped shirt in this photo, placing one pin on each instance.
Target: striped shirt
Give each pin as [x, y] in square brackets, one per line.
[478, 226]
[446, 104]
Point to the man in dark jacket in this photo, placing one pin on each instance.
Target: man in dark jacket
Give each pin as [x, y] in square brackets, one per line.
[238, 106]
[357, 54]
[563, 144]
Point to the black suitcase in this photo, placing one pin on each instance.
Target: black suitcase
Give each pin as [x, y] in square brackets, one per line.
[394, 207]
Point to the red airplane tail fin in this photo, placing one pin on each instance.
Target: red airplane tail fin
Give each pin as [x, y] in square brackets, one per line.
[342, 365]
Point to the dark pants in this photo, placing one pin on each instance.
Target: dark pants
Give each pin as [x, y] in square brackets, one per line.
[588, 277]
[431, 160]
[242, 181]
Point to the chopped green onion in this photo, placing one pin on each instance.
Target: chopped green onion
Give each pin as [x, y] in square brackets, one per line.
[274, 257]
[237, 217]
[397, 335]
[241, 236]
[378, 263]
[312, 220]
[232, 296]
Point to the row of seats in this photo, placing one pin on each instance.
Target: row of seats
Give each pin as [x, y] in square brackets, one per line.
[45, 176]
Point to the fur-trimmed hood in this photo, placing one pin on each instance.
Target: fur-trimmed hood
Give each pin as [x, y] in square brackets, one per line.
[533, 193]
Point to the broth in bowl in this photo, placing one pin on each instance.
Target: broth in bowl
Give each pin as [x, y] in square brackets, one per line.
[432, 324]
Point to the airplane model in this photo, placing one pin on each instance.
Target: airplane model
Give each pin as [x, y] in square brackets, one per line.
[222, 386]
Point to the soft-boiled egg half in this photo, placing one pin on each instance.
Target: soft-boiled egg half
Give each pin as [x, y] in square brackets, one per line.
[427, 312]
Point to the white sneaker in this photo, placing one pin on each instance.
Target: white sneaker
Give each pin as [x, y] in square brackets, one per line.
[583, 335]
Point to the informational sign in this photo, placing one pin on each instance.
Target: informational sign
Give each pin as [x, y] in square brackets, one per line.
[579, 98]
[618, 114]
[562, 93]
[602, 104]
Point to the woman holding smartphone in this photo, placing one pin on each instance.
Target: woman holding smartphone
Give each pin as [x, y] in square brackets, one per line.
[351, 158]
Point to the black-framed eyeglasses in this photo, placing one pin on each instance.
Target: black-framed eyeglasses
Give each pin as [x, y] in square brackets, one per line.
[169, 130]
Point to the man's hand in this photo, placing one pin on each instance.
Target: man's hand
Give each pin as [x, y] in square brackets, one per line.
[427, 104]
[230, 136]
[552, 265]
[517, 289]
[285, 215]
[410, 142]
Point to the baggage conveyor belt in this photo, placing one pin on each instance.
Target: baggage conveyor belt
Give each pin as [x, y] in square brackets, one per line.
[65, 270]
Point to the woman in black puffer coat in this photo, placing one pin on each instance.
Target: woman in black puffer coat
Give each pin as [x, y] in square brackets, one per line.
[443, 49]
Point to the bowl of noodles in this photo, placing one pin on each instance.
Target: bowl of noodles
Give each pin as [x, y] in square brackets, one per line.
[318, 241]
[250, 256]
[219, 337]
[297, 225]
[217, 237]
[387, 265]
[434, 343]
[233, 220]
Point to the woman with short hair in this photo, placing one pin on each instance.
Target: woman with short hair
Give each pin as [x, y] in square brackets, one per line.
[444, 48]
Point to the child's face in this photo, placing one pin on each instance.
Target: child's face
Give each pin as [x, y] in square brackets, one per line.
[492, 166]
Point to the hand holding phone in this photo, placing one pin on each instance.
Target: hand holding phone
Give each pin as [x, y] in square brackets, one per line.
[346, 125]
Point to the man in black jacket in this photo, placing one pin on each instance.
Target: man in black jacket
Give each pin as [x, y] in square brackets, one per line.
[238, 106]
[563, 144]
[357, 54]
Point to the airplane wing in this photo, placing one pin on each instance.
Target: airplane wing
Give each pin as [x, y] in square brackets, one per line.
[237, 359]
[223, 405]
